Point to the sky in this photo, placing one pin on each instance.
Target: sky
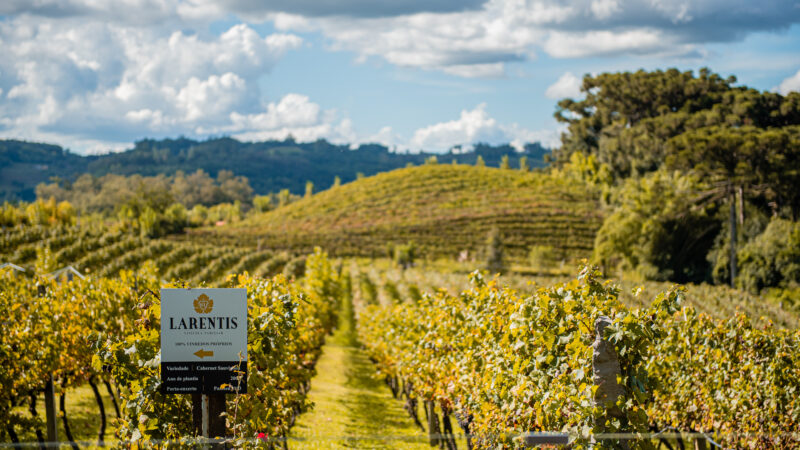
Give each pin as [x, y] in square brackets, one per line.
[95, 76]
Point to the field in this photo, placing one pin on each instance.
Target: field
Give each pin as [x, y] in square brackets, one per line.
[348, 348]
[445, 210]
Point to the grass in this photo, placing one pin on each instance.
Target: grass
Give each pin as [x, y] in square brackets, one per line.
[352, 408]
[82, 413]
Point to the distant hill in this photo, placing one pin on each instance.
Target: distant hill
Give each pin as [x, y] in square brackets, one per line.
[270, 166]
[445, 209]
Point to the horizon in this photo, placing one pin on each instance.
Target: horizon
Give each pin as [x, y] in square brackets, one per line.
[455, 150]
[412, 76]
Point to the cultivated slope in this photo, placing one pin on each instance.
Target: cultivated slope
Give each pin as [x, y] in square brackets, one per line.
[444, 209]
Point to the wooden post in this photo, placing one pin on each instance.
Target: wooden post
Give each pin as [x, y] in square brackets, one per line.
[605, 373]
[700, 444]
[217, 407]
[204, 415]
[207, 415]
[49, 394]
[50, 412]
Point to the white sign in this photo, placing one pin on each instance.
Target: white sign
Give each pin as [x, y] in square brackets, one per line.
[203, 335]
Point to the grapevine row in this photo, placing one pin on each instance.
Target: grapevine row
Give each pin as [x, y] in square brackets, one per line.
[504, 362]
[106, 330]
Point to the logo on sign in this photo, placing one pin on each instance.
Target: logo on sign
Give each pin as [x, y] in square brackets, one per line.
[203, 304]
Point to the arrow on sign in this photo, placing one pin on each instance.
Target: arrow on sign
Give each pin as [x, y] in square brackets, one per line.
[203, 353]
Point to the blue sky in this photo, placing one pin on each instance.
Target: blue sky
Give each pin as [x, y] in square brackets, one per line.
[410, 74]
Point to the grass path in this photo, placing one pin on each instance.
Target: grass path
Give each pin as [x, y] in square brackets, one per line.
[351, 408]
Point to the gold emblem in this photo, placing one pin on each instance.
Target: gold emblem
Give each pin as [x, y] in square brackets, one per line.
[203, 304]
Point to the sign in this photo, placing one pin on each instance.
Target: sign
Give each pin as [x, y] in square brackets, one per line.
[203, 341]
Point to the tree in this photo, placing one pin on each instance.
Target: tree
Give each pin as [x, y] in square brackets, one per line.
[479, 162]
[504, 163]
[149, 223]
[176, 218]
[733, 161]
[772, 258]
[404, 255]
[309, 189]
[656, 231]
[262, 203]
[284, 197]
[523, 164]
[626, 119]
[494, 252]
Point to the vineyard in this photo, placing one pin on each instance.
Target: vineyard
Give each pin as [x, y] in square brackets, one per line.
[105, 330]
[382, 282]
[108, 253]
[502, 363]
[444, 209]
[473, 361]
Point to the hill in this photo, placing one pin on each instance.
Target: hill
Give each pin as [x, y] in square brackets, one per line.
[270, 166]
[444, 209]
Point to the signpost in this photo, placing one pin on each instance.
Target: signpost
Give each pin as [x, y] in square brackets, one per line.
[204, 349]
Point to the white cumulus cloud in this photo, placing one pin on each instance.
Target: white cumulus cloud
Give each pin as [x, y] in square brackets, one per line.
[475, 126]
[567, 86]
[791, 84]
[89, 80]
[294, 115]
[481, 42]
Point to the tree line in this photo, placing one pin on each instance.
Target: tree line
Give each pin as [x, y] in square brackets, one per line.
[700, 175]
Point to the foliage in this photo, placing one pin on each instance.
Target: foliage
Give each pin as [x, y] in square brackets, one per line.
[523, 164]
[771, 258]
[656, 231]
[511, 363]
[108, 253]
[286, 326]
[627, 118]
[504, 164]
[47, 330]
[541, 256]
[742, 143]
[40, 212]
[727, 378]
[404, 255]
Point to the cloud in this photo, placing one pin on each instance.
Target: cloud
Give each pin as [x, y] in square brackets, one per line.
[567, 86]
[600, 43]
[94, 80]
[475, 126]
[603, 9]
[294, 115]
[482, 42]
[790, 84]
[147, 11]
[473, 38]
[349, 8]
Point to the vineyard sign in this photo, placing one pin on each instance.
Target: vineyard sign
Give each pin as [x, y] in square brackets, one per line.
[203, 341]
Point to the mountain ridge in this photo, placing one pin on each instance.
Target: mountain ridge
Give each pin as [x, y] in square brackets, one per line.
[269, 165]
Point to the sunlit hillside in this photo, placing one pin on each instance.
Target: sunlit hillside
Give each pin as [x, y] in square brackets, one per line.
[445, 210]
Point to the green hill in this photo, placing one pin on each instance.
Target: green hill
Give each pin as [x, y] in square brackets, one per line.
[443, 209]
